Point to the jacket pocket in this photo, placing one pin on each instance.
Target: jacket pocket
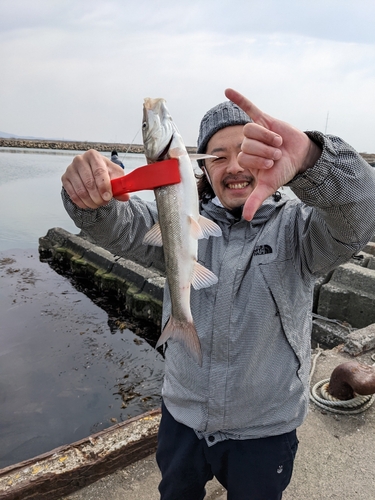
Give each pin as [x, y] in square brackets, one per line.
[294, 303]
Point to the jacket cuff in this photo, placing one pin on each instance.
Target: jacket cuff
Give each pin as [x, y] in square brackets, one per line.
[84, 217]
[317, 174]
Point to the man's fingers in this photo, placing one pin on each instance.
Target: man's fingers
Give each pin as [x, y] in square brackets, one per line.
[78, 195]
[254, 163]
[87, 180]
[86, 188]
[97, 180]
[255, 200]
[251, 148]
[262, 135]
[250, 109]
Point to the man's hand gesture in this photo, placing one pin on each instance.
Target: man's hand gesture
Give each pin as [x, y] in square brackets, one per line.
[273, 150]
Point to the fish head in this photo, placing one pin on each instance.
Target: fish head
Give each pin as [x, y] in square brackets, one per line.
[157, 129]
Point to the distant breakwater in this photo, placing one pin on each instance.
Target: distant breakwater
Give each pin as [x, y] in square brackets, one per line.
[76, 145]
[103, 146]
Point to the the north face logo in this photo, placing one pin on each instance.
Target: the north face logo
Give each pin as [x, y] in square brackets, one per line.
[262, 249]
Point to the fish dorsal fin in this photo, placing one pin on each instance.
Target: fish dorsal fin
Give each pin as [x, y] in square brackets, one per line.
[202, 277]
[208, 227]
[200, 156]
[153, 236]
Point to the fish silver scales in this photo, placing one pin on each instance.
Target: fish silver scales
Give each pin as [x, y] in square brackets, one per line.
[180, 225]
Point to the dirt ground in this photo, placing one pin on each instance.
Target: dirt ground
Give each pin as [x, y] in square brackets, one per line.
[335, 459]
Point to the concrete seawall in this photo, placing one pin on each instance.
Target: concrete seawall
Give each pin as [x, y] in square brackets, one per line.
[344, 300]
[139, 290]
[76, 145]
[70, 145]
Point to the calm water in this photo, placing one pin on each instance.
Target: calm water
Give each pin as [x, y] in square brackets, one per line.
[30, 186]
[69, 365]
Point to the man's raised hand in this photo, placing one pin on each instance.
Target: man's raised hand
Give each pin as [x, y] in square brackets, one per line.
[273, 150]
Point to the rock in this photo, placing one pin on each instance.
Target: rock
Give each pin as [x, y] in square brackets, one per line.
[360, 341]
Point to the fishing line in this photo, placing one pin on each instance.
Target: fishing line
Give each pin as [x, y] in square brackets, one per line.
[130, 145]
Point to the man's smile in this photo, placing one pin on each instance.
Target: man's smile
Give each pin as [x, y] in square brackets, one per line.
[237, 182]
[237, 185]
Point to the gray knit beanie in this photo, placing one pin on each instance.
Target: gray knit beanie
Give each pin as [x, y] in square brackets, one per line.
[223, 115]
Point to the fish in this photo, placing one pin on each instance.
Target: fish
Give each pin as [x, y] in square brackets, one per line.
[179, 225]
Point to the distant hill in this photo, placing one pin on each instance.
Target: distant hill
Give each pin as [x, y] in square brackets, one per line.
[5, 135]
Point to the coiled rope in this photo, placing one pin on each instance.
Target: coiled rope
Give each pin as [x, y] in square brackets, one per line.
[320, 396]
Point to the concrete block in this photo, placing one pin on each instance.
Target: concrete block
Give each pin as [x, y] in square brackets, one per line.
[364, 259]
[109, 283]
[370, 248]
[361, 259]
[77, 245]
[329, 333]
[133, 272]
[371, 262]
[155, 287]
[101, 258]
[58, 235]
[143, 306]
[354, 277]
[55, 237]
[349, 296]
[360, 341]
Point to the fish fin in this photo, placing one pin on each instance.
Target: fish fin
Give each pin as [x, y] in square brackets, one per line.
[153, 236]
[202, 277]
[208, 227]
[195, 229]
[200, 156]
[185, 333]
[203, 228]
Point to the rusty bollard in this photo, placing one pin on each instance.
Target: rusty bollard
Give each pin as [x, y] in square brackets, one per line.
[351, 378]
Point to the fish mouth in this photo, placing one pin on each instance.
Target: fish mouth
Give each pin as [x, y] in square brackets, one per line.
[163, 154]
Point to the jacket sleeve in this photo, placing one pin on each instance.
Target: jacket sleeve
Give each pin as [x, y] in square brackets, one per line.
[120, 228]
[340, 188]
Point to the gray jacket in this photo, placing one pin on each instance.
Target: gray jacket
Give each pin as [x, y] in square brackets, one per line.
[255, 323]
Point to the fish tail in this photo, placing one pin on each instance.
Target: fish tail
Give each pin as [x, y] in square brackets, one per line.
[185, 333]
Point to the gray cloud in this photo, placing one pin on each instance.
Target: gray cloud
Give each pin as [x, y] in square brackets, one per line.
[80, 69]
[340, 20]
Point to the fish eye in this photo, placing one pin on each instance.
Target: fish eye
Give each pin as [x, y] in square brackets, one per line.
[144, 125]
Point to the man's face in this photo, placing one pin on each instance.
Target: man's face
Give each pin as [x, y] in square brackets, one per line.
[232, 184]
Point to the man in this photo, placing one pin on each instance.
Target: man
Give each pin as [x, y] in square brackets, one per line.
[235, 417]
[116, 159]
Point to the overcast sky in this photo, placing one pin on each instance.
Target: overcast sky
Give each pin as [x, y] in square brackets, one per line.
[79, 69]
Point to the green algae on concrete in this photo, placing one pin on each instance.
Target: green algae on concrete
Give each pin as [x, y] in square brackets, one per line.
[141, 298]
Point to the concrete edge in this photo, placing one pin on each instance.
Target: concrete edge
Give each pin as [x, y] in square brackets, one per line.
[69, 468]
[140, 290]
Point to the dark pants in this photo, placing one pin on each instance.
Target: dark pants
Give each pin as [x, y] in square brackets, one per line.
[251, 469]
